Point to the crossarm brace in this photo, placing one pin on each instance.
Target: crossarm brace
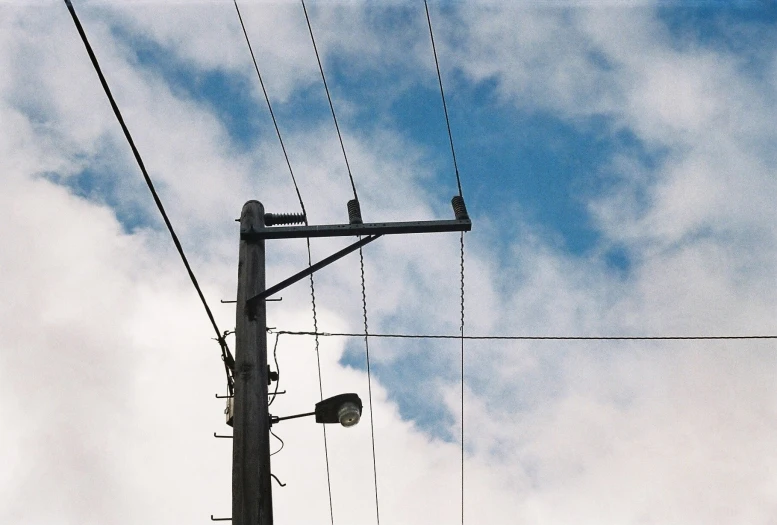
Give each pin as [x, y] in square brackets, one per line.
[251, 303]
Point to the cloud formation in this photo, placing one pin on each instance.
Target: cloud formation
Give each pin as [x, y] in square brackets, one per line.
[107, 370]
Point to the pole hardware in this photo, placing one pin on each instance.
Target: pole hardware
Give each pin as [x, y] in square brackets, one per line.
[459, 208]
[354, 212]
[346, 230]
[223, 301]
[219, 519]
[269, 394]
[271, 219]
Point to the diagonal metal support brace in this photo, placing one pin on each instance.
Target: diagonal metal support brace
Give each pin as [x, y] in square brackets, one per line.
[251, 303]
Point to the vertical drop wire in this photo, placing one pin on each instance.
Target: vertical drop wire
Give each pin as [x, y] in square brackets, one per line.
[320, 383]
[458, 183]
[369, 384]
[310, 260]
[462, 377]
[364, 295]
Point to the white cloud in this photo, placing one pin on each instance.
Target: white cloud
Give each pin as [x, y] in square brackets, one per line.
[107, 369]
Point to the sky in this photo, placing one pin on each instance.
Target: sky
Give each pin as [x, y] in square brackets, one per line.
[617, 161]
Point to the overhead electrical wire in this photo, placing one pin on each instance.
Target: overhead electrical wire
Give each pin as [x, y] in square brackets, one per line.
[461, 239]
[461, 329]
[361, 258]
[369, 384]
[329, 98]
[442, 94]
[310, 259]
[269, 107]
[225, 353]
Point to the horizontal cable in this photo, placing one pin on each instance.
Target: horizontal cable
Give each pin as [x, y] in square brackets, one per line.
[533, 337]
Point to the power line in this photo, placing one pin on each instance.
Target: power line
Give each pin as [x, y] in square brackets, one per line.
[329, 98]
[310, 259]
[369, 384]
[533, 337]
[320, 383]
[361, 256]
[225, 353]
[462, 376]
[272, 113]
[442, 94]
[461, 197]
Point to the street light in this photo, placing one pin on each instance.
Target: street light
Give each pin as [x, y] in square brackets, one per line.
[345, 409]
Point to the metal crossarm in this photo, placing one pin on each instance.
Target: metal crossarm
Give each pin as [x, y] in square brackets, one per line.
[345, 230]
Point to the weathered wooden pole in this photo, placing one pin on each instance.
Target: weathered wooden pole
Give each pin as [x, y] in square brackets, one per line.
[251, 490]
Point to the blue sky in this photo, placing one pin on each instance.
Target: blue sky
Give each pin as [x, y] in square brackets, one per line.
[618, 164]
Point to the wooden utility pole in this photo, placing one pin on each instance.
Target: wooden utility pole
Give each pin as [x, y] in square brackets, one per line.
[251, 490]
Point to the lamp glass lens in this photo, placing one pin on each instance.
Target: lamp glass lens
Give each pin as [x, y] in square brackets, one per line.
[348, 414]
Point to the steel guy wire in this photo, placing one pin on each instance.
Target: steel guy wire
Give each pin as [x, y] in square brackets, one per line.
[310, 260]
[329, 98]
[226, 355]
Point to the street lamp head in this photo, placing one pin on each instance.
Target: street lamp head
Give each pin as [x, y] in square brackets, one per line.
[345, 409]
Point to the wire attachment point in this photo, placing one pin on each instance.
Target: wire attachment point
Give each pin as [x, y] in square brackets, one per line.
[459, 208]
[354, 212]
[271, 219]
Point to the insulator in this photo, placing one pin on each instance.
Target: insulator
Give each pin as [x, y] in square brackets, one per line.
[273, 219]
[459, 209]
[354, 212]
